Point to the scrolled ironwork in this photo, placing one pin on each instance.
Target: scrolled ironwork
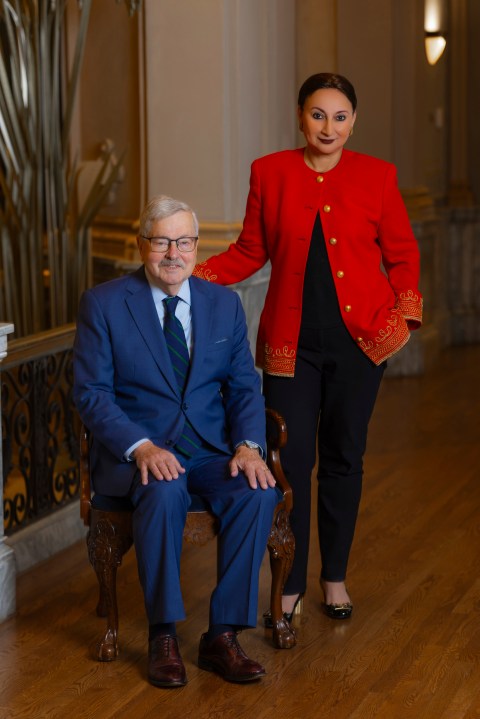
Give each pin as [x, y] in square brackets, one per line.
[40, 429]
[14, 509]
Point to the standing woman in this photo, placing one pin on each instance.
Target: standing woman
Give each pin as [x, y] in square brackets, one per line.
[342, 298]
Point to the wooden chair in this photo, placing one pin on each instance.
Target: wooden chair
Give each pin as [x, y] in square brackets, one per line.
[109, 520]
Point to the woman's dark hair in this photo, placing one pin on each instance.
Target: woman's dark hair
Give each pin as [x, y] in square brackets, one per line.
[327, 81]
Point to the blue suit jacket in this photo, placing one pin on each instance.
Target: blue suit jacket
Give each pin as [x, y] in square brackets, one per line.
[124, 386]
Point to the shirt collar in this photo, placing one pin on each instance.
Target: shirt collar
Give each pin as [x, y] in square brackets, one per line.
[159, 295]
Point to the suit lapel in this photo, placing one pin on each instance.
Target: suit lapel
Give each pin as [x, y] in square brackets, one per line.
[140, 303]
[202, 318]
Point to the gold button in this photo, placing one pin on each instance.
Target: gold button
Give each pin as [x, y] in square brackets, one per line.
[348, 308]
[340, 274]
[333, 240]
[359, 339]
[326, 208]
[320, 178]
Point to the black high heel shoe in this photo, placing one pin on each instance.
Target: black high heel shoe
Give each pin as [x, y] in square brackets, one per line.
[288, 616]
[337, 611]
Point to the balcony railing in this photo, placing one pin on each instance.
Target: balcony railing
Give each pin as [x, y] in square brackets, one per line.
[39, 427]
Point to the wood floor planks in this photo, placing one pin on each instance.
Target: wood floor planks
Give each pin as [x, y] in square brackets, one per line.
[411, 650]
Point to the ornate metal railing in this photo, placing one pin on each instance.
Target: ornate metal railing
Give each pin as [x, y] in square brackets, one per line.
[39, 426]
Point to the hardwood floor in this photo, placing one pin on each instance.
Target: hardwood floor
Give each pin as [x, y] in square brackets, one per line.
[411, 649]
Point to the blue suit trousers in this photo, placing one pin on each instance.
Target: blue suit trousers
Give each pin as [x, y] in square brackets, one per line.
[245, 519]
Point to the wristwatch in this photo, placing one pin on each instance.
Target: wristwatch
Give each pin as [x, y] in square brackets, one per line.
[250, 445]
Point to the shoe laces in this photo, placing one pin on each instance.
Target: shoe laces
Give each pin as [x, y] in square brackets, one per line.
[162, 644]
[232, 642]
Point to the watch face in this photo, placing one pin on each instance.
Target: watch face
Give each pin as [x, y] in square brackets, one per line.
[251, 445]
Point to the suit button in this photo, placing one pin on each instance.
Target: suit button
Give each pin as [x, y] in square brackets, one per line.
[169, 442]
[320, 178]
[348, 308]
[359, 339]
[184, 405]
[340, 274]
[327, 208]
[333, 240]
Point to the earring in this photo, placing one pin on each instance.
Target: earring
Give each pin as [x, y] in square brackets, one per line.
[351, 131]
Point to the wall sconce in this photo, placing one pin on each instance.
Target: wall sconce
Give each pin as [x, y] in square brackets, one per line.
[435, 43]
[435, 37]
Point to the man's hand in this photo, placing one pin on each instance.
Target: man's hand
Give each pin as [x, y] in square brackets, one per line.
[252, 465]
[159, 462]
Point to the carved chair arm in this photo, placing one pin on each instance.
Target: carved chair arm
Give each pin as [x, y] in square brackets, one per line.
[276, 439]
[85, 489]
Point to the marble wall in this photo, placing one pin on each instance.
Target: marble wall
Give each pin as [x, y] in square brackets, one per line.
[462, 274]
[252, 293]
[47, 536]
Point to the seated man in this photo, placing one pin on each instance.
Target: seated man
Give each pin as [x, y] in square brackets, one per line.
[165, 382]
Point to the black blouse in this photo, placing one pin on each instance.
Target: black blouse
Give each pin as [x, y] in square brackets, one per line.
[320, 308]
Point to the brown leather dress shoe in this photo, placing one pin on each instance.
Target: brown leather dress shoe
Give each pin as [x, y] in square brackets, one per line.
[225, 656]
[165, 665]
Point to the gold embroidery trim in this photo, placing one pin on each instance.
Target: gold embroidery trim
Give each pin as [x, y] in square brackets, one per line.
[203, 272]
[279, 361]
[388, 341]
[410, 305]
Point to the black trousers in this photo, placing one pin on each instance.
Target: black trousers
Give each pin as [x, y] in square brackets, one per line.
[327, 406]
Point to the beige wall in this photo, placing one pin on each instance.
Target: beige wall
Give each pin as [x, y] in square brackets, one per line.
[219, 90]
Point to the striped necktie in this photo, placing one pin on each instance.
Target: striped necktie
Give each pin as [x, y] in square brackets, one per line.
[189, 440]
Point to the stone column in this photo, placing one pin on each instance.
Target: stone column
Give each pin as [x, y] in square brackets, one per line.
[462, 248]
[7, 559]
[462, 272]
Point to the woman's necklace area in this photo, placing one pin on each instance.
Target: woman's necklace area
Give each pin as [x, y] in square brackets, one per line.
[326, 166]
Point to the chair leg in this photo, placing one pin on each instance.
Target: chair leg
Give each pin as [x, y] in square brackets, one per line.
[107, 544]
[281, 546]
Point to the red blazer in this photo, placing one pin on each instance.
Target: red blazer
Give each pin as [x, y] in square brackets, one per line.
[366, 227]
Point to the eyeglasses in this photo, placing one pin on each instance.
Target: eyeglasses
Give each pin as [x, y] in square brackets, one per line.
[162, 244]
